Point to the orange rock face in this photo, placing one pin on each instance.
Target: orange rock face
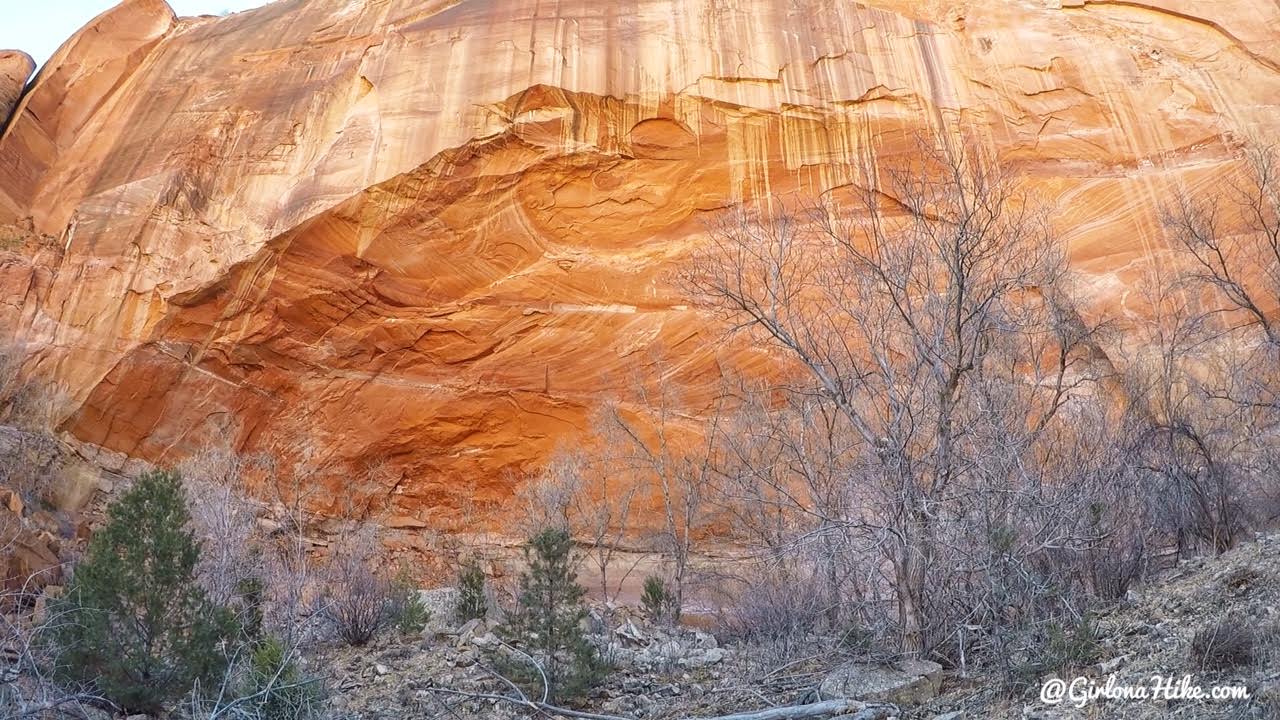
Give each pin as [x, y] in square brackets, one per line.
[434, 236]
[15, 68]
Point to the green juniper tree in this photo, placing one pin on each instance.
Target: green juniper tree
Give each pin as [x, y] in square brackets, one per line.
[658, 602]
[276, 687]
[547, 621]
[472, 603]
[137, 624]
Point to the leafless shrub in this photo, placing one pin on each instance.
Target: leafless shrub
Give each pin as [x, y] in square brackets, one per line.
[30, 685]
[224, 520]
[1051, 647]
[26, 402]
[587, 494]
[1191, 446]
[782, 613]
[359, 601]
[29, 461]
[30, 454]
[263, 681]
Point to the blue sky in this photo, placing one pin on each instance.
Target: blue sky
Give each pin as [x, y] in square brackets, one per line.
[39, 28]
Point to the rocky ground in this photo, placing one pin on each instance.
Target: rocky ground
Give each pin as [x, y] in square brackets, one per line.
[663, 673]
[1152, 635]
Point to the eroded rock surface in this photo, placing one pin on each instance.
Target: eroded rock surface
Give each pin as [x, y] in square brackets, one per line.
[15, 68]
[430, 237]
[907, 683]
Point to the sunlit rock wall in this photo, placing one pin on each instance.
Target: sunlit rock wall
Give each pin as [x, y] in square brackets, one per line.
[432, 237]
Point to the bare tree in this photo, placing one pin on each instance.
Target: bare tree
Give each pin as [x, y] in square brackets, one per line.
[1231, 240]
[673, 459]
[293, 602]
[224, 520]
[604, 523]
[1220, 388]
[548, 499]
[585, 493]
[901, 301]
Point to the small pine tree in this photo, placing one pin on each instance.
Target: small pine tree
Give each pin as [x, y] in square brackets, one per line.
[136, 623]
[412, 614]
[472, 604]
[276, 687]
[547, 621]
[658, 602]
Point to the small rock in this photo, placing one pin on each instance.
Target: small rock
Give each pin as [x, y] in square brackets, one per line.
[629, 631]
[702, 658]
[670, 650]
[1107, 667]
[380, 669]
[487, 641]
[621, 657]
[705, 641]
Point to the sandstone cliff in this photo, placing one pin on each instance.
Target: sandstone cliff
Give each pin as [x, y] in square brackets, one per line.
[15, 68]
[433, 235]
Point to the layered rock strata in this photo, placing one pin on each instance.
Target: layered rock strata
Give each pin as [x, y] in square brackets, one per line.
[429, 238]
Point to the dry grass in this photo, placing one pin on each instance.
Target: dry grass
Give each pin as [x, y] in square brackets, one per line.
[1224, 645]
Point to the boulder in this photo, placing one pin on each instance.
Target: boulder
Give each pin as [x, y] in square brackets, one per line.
[29, 556]
[487, 641]
[629, 632]
[702, 658]
[907, 683]
[441, 603]
[476, 632]
[15, 67]
[74, 486]
[620, 657]
[705, 641]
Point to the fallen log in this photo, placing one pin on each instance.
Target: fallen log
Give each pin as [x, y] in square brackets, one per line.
[860, 710]
[826, 708]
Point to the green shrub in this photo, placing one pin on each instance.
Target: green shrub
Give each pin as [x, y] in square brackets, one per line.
[412, 614]
[659, 604]
[547, 622]
[251, 592]
[277, 687]
[1056, 649]
[136, 623]
[472, 603]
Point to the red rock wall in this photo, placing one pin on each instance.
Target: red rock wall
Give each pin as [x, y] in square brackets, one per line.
[438, 234]
[15, 68]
